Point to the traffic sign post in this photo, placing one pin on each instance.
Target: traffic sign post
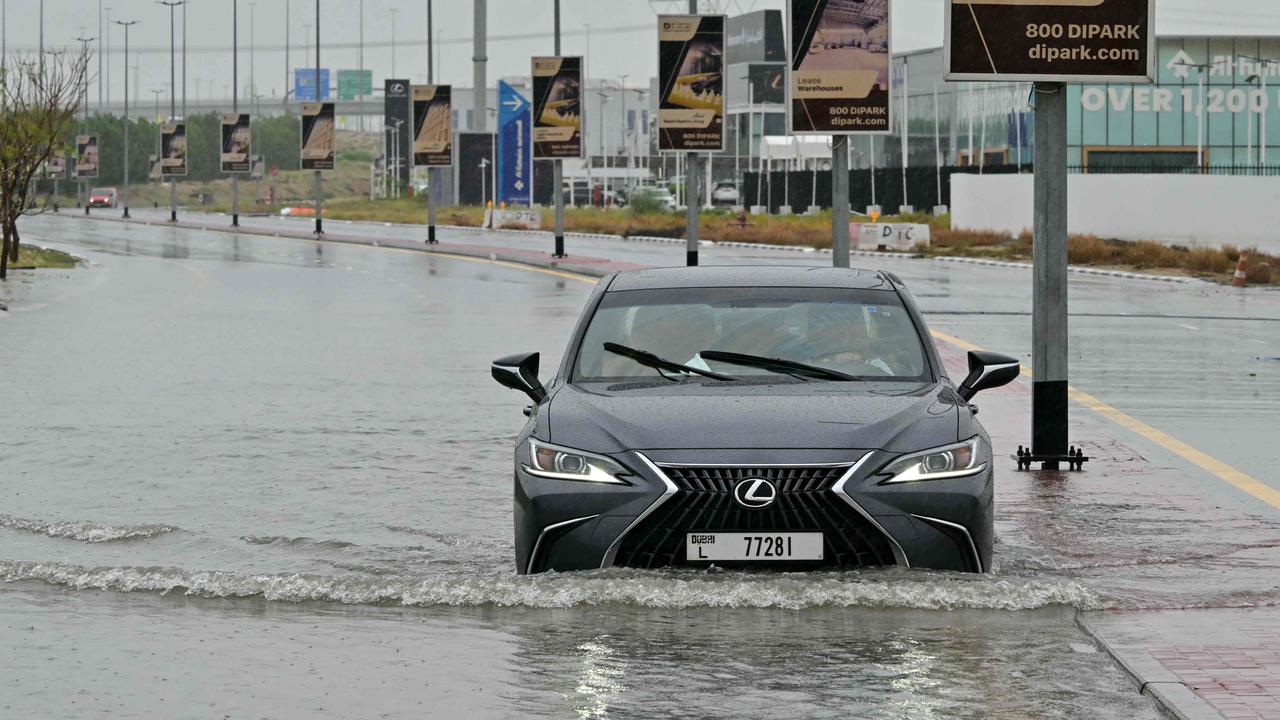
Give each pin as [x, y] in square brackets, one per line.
[1050, 44]
[515, 148]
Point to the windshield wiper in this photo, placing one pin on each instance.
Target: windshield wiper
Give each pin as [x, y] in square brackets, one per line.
[648, 359]
[778, 365]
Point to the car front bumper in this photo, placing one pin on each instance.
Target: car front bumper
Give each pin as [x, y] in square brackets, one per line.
[566, 525]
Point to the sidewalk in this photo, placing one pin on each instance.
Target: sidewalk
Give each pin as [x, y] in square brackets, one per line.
[1198, 664]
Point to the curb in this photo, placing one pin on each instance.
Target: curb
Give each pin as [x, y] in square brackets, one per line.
[1079, 269]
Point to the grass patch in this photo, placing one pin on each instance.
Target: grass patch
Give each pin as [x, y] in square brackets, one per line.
[35, 257]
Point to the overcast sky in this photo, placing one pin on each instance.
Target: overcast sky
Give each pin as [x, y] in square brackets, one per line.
[622, 34]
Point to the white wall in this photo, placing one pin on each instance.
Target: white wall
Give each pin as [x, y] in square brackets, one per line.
[1185, 209]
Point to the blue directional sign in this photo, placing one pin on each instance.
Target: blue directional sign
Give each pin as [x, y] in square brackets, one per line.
[515, 147]
[304, 84]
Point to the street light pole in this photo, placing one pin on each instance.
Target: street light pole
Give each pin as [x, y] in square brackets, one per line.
[319, 96]
[126, 113]
[84, 43]
[99, 55]
[253, 78]
[173, 98]
[184, 61]
[394, 11]
[433, 174]
[235, 103]
[287, 57]
[692, 175]
[622, 89]
[557, 179]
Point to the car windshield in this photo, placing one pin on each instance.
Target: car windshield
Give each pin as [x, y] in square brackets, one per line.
[865, 334]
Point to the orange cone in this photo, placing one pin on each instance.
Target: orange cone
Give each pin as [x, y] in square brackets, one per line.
[1238, 280]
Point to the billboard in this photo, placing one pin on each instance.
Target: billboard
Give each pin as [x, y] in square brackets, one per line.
[257, 167]
[840, 60]
[768, 83]
[755, 37]
[235, 143]
[304, 84]
[691, 83]
[1050, 40]
[86, 156]
[153, 167]
[397, 112]
[433, 125]
[56, 167]
[557, 107]
[317, 136]
[173, 149]
[354, 84]
[515, 147]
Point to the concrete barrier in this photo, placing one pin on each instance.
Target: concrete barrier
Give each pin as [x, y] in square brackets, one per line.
[1208, 210]
[895, 236]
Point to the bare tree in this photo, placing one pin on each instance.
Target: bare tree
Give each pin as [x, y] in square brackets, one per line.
[38, 106]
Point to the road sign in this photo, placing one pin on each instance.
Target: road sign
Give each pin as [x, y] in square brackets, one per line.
[557, 107]
[1050, 40]
[691, 83]
[432, 125]
[353, 84]
[515, 147]
[304, 84]
[840, 60]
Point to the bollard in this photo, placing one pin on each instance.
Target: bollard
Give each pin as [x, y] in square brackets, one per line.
[1238, 280]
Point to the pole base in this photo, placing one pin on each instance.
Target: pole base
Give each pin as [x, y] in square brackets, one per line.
[173, 216]
[431, 235]
[235, 221]
[1074, 459]
[559, 249]
[691, 258]
[126, 212]
[86, 209]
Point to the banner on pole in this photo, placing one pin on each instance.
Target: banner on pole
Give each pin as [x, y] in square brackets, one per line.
[557, 107]
[840, 58]
[317, 136]
[153, 167]
[515, 151]
[1092, 41]
[86, 156]
[235, 143]
[56, 168]
[173, 150]
[433, 125]
[691, 83]
[257, 167]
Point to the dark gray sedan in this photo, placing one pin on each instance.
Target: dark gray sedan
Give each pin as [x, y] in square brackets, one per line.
[786, 418]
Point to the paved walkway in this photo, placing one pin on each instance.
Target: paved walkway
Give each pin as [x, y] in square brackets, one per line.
[1198, 664]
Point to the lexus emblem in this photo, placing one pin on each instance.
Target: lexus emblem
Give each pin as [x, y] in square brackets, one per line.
[755, 493]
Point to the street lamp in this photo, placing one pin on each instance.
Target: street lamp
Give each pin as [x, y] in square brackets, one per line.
[173, 97]
[126, 113]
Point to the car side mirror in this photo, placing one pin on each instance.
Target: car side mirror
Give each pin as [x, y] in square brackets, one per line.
[988, 370]
[520, 372]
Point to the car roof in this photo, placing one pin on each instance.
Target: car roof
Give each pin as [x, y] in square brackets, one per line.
[750, 276]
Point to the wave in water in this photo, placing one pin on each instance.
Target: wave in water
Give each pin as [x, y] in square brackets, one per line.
[295, 541]
[659, 590]
[85, 530]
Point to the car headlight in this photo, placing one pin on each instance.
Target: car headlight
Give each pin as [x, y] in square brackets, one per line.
[950, 461]
[562, 463]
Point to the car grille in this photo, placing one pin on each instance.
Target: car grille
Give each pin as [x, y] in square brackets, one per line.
[704, 502]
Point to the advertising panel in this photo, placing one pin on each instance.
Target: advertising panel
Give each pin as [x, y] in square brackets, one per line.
[56, 169]
[86, 156]
[755, 37]
[768, 83]
[257, 167]
[153, 167]
[235, 143]
[397, 113]
[304, 84]
[317, 136]
[691, 83]
[840, 60]
[1050, 40]
[515, 151]
[557, 107]
[173, 149]
[433, 125]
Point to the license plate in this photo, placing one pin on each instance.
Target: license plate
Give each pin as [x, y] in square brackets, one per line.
[753, 546]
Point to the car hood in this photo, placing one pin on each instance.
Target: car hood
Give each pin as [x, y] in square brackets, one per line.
[893, 417]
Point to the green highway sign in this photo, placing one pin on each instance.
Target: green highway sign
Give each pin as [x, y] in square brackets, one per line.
[353, 84]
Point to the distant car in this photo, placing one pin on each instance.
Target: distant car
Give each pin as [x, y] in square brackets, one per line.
[105, 197]
[662, 195]
[725, 193]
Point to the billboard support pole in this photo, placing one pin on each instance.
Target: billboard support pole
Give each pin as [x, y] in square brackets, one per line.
[432, 173]
[319, 95]
[126, 25]
[692, 174]
[839, 201]
[557, 177]
[173, 101]
[1049, 277]
[235, 104]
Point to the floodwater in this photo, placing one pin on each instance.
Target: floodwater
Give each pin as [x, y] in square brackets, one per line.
[254, 477]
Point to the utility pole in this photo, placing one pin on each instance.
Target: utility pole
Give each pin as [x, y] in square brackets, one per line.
[692, 176]
[99, 55]
[184, 61]
[80, 189]
[394, 11]
[1049, 277]
[253, 79]
[840, 201]
[479, 60]
[106, 60]
[287, 58]
[319, 96]
[173, 98]
[235, 103]
[433, 174]
[126, 114]
[557, 179]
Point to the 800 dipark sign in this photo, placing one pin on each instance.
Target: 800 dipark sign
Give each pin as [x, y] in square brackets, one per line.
[1051, 40]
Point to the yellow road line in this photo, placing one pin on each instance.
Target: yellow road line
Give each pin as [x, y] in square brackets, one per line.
[1208, 463]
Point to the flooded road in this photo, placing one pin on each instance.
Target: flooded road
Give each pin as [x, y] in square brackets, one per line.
[260, 477]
